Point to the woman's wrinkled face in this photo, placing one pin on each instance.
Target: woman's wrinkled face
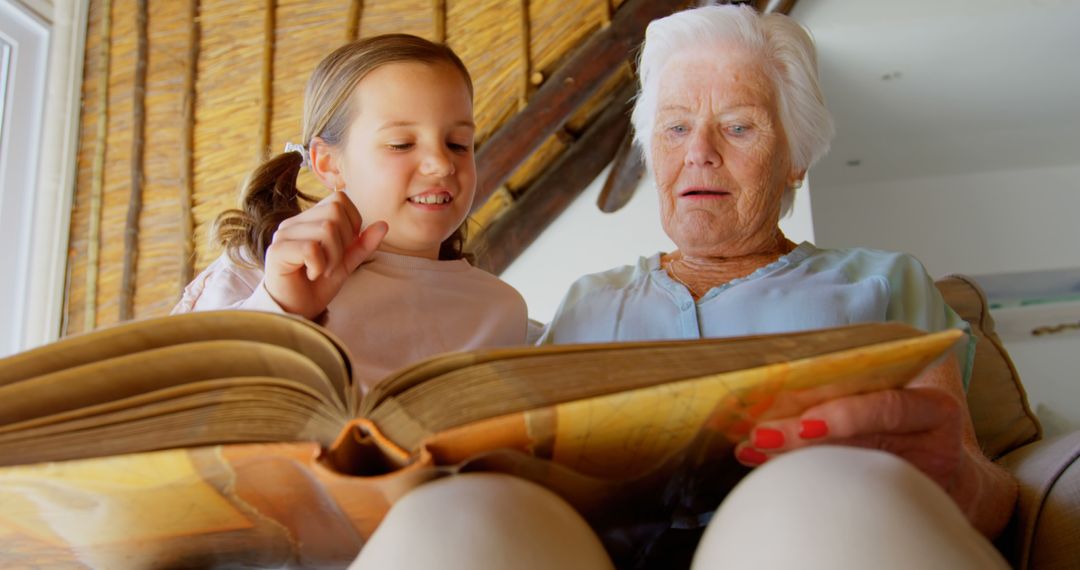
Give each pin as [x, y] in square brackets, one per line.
[719, 154]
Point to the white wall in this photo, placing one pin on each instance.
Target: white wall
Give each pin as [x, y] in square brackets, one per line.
[984, 223]
[585, 240]
[989, 222]
[1051, 375]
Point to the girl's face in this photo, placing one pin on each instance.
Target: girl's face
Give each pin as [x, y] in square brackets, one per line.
[408, 156]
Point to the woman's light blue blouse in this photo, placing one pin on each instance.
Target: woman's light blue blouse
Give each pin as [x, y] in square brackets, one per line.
[808, 288]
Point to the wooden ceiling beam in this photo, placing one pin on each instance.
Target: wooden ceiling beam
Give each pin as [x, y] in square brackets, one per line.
[546, 198]
[627, 170]
[560, 96]
[781, 6]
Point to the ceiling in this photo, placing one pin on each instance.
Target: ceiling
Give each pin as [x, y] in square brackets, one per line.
[933, 88]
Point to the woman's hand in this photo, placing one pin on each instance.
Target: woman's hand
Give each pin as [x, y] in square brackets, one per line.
[926, 422]
[920, 424]
[314, 252]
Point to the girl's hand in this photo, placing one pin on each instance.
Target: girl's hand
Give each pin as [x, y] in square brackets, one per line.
[314, 252]
[924, 423]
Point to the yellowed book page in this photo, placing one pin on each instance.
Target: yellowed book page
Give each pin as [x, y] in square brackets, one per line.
[505, 381]
[629, 434]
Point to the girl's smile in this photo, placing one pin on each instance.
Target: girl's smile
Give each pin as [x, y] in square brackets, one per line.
[434, 199]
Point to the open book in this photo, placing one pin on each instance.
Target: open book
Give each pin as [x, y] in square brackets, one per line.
[271, 456]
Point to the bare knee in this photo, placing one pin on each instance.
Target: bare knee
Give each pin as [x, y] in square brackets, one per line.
[837, 507]
[483, 520]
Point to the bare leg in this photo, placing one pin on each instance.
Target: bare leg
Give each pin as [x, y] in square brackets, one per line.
[479, 521]
[839, 508]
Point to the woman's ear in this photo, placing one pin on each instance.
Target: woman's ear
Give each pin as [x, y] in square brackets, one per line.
[326, 164]
[796, 179]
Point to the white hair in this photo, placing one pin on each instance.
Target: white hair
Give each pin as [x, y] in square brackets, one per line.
[784, 47]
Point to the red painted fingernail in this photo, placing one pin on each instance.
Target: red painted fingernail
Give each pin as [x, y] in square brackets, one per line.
[751, 456]
[768, 438]
[813, 429]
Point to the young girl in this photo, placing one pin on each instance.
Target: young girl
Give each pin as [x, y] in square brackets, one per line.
[388, 129]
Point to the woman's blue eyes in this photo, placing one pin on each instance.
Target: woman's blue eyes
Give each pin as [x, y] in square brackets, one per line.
[735, 130]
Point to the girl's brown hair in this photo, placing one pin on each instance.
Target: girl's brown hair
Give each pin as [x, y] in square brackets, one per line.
[270, 194]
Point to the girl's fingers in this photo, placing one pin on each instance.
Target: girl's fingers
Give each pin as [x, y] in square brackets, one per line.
[365, 245]
[349, 210]
[296, 255]
[339, 209]
[323, 232]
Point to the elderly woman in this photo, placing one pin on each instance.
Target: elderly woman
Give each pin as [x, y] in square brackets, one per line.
[730, 117]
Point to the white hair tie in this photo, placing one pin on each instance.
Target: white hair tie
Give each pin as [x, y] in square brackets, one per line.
[305, 159]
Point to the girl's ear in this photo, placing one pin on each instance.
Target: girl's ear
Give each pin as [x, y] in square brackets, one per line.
[326, 164]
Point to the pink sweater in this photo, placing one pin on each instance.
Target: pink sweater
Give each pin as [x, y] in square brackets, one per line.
[393, 310]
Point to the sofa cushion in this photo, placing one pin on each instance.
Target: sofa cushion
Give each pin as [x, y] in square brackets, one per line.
[999, 408]
[1044, 532]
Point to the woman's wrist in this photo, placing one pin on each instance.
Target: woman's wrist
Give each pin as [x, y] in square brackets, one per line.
[985, 493]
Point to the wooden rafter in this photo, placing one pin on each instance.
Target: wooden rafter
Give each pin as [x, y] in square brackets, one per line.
[526, 55]
[557, 99]
[781, 6]
[547, 197]
[627, 170]
[266, 95]
[187, 150]
[97, 189]
[138, 147]
[438, 8]
[352, 20]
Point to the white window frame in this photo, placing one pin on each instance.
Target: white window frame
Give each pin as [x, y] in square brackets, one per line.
[38, 149]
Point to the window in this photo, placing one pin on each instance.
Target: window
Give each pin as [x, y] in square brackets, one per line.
[41, 52]
[5, 67]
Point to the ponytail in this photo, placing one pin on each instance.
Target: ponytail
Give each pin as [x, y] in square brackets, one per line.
[270, 197]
